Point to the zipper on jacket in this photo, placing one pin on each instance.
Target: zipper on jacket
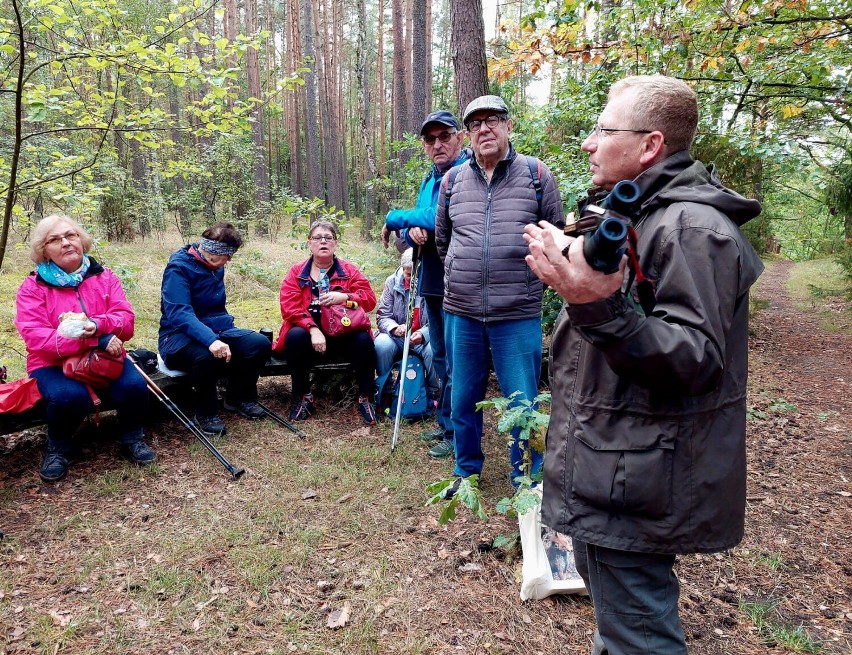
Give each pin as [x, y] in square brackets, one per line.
[487, 241]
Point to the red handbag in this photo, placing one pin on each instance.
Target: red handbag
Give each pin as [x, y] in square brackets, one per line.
[95, 368]
[340, 319]
[19, 396]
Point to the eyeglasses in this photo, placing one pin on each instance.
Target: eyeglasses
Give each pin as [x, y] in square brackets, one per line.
[492, 122]
[443, 137]
[322, 237]
[56, 239]
[597, 129]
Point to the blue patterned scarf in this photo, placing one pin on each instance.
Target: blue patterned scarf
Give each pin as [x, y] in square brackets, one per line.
[50, 272]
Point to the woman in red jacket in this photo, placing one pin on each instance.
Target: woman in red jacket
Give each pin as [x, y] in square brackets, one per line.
[325, 280]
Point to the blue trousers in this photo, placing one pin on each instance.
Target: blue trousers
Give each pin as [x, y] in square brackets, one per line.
[69, 402]
[249, 352]
[437, 340]
[635, 598]
[514, 347]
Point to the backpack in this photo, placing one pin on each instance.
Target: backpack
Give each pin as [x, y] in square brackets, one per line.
[415, 400]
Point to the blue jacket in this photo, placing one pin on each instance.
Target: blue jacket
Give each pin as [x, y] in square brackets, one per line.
[431, 281]
[192, 304]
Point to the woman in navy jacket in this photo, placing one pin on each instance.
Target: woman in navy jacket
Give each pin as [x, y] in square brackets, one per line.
[198, 335]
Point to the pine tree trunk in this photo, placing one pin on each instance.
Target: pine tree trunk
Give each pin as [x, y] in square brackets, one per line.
[312, 153]
[259, 167]
[421, 51]
[468, 47]
[362, 76]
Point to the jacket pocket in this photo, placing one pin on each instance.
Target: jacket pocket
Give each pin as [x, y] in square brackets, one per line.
[624, 465]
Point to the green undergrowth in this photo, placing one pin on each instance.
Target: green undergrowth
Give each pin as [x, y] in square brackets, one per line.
[821, 288]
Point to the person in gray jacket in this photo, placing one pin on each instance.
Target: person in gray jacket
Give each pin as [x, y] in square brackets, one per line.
[646, 453]
[391, 314]
[492, 300]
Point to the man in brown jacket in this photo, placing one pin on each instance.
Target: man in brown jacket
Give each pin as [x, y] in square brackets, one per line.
[646, 446]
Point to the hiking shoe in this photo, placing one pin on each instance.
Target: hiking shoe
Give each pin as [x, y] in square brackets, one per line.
[247, 408]
[441, 450]
[303, 408]
[432, 435]
[138, 452]
[366, 410]
[54, 467]
[211, 426]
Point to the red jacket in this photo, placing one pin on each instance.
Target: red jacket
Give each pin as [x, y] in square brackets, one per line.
[295, 296]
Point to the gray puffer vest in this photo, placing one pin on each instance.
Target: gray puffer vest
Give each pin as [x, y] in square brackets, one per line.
[481, 239]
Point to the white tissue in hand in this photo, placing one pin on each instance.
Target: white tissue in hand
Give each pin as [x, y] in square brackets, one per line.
[72, 325]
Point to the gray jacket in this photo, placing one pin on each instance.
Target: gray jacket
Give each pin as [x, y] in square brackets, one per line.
[646, 444]
[480, 238]
[392, 309]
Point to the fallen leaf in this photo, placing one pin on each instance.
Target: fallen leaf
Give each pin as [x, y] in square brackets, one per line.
[361, 432]
[60, 617]
[157, 558]
[339, 618]
[308, 494]
[845, 494]
[196, 625]
[17, 632]
[470, 567]
[344, 498]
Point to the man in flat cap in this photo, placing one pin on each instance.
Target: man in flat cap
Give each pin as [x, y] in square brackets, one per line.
[492, 300]
[442, 140]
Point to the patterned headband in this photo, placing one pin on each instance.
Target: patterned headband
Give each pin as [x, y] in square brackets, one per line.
[216, 247]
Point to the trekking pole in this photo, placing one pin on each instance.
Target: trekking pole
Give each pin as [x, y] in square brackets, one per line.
[188, 424]
[406, 345]
[281, 420]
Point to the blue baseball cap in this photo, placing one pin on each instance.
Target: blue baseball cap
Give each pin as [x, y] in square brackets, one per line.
[442, 117]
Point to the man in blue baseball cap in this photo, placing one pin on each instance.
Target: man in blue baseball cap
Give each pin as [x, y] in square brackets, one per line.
[442, 138]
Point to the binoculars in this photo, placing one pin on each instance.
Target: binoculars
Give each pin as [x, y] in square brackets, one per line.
[605, 227]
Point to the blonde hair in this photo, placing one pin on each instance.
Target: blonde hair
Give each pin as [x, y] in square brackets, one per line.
[661, 103]
[45, 226]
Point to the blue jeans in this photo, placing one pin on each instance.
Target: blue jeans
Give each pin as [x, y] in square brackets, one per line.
[635, 598]
[389, 349]
[514, 347]
[437, 341]
[69, 402]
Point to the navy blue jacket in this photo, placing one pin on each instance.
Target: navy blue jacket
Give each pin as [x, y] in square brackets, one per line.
[192, 303]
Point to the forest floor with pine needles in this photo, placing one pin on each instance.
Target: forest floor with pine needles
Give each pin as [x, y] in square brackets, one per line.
[325, 545]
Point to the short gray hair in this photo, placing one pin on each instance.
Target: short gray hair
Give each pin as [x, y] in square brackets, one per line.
[45, 226]
[662, 103]
[407, 258]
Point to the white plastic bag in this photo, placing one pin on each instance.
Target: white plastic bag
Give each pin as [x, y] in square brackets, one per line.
[548, 559]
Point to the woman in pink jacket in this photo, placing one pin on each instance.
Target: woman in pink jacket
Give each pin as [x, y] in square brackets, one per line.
[69, 305]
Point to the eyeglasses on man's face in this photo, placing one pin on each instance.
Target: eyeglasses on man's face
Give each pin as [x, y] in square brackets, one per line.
[443, 137]
[492, 121]
[56, 239]
[597, 130]
[322, 237]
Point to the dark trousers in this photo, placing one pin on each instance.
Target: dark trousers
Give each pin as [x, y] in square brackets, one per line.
[435, 314]
[249, 353]
[635, 598]
[356, 347]
[69, 402]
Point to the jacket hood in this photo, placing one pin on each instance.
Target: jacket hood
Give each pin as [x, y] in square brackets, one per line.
[680, 178]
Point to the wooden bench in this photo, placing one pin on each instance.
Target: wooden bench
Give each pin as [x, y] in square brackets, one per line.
[11, 423]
